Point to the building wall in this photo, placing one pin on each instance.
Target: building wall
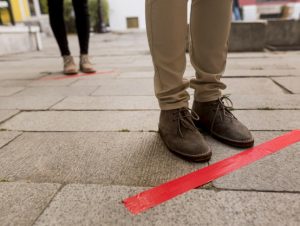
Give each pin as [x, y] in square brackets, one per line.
[20, 10]
[121, 9]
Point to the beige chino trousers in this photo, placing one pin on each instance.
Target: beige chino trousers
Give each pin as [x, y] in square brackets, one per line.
[167, 31]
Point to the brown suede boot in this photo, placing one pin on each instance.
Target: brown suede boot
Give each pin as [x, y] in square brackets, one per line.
[180, 135]
[216, 118]
[69, 65]
[85, 64]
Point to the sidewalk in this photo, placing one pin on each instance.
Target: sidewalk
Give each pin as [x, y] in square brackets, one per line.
[72, 148]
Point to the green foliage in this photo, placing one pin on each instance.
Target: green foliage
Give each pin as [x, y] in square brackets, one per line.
[93, 7]
[105, 11]
[44, 6]
[70, 17]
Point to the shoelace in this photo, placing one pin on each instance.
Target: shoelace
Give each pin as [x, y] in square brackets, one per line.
[224, 105]
[68, 60]
[184, 118]
[85, 60]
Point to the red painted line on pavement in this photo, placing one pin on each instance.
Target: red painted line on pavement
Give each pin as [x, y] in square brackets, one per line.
[155, 196]
[76, 75]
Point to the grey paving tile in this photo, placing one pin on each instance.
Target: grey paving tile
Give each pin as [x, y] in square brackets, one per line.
[49, 82]
[260, 72]
[263, 64]
[291, 83]
[56, 91]
[96, 205]
[84, 121]
[229, 72]
[133, 68]
[136, 120]
[22, 203]
[251, 86]
[7, 136]
[108, 103]
[93, 81]
[263, 101]
[277, 172]
[149, 74]
[8, 91]
[136, 74]
[266, 101]
[6, 114]
[111, 59]
[126, 87]
[138, 159]
[270, 120]
[21, 75]
[15, 82]
[29, 102]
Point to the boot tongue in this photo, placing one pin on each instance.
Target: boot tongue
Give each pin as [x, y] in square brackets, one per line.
[224, 105]
[185, 120]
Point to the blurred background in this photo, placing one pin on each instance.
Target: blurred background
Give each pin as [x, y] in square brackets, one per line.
[257, 24]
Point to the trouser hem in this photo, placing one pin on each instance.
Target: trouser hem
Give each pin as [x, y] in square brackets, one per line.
[207, 98]
[172, 106]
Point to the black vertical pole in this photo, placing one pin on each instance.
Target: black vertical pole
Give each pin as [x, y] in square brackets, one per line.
[100, 19]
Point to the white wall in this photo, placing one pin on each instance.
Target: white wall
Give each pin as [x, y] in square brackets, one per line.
[121, 9]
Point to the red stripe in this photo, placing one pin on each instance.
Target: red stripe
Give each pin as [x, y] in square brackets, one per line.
[171, 189]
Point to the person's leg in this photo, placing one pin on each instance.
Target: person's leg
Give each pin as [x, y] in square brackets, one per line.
[167, 30]
[56, 16]
[82, 24]
[82, 21]
[210, 27]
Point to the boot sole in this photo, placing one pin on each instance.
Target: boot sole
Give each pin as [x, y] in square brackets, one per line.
[87, 72]
[204, 158]
[192, 159]
[71, 73]
[237, 144]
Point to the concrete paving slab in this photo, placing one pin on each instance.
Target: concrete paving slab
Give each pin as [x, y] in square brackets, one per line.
[262, 64]
[6, 114]
[8, 91]
[15, 82]
[290, 83]
[95, 205]
[250, 86]
[139, 159]
[93, 81]
[84, 121]
[133, 68]
[21, 75]
[108, 103]
[110, 59]
[22, 203]
[257, 102]
[136, 120]
[7, 136]
[270, 120]
[277, 172]
[260, 73]
[47, 82]
[266, 101]
[189, 73]
[126, 87]
[57, 91]
[29, 102]
[142, 74]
